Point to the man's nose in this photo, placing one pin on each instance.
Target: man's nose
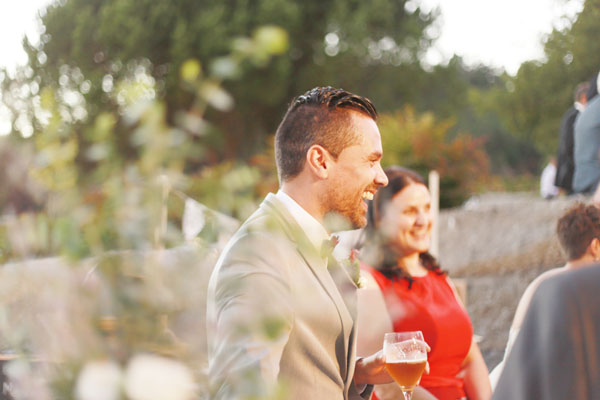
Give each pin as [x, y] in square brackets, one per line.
[381, 178]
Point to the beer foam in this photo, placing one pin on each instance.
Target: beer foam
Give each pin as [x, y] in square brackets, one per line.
[410, 361]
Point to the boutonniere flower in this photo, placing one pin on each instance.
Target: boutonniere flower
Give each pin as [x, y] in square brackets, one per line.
[352, 265]
[328, 245]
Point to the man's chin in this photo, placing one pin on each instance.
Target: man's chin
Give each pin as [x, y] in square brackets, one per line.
[337, 221]
[359, 222]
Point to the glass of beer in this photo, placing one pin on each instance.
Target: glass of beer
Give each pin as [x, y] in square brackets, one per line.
[405, 359]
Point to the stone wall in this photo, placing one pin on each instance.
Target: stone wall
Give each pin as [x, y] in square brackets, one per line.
[498, 243]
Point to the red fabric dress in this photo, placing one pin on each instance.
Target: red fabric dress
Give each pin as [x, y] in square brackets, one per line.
[430, 306]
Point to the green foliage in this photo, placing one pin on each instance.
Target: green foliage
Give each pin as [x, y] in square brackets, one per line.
[373, 50]
[509, 154]
[228, 188]
[89, 45]
[541, 92]
[420, 142]
[155, 49]
[119, 295]
[103, 179]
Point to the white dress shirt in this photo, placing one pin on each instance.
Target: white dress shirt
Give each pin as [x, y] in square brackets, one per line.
[314, 230]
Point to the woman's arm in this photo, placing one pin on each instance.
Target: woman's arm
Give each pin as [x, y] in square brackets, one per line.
[373, 319]
[474, 371]
[476, 375]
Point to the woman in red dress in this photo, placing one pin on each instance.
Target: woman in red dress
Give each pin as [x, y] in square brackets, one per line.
[405, 290]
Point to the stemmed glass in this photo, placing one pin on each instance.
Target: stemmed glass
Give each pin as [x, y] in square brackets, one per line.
[405, 359]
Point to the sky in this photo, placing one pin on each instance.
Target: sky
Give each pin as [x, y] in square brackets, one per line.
[499, 33]
[18, 18]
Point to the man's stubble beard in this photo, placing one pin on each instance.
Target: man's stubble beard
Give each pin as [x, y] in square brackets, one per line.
[348, 206]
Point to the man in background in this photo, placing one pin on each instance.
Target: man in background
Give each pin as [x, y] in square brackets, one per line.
[587, 147]
[281, 311]
[565, 165]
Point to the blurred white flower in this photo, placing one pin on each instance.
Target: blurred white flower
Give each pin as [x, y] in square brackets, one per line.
[362, 282]
[193, 218]
[99, 380]
[151, 377]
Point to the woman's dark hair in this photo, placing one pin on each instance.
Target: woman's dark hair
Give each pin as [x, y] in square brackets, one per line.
[576, 228]
[385, 262]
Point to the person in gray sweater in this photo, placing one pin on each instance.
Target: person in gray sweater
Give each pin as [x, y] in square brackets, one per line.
[556, 354]
[587, 148]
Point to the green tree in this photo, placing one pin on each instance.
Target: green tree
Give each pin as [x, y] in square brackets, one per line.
[87, 46]
[421, 142]
[542, 91]
[127, 302]
[510, 155]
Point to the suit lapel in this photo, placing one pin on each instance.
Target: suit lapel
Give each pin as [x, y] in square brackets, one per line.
[333, 284]
[344, 284]
[347, 289]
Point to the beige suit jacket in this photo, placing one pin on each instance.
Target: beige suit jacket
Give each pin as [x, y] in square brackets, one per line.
[277, 317]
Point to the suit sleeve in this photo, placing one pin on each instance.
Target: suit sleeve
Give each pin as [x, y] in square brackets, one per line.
[252, 314]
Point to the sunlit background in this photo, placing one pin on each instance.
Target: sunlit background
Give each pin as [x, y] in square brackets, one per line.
[135, 136]
[501, 34]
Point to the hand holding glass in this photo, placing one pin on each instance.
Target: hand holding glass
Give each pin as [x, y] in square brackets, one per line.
[405, 358]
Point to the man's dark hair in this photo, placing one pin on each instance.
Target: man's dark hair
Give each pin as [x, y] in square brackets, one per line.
[319, 116]
[576, 229]
[581, 90]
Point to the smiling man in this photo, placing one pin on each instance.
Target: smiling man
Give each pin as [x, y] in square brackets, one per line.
[281, 311]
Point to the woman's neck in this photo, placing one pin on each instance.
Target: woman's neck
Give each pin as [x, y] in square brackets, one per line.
[412, 264]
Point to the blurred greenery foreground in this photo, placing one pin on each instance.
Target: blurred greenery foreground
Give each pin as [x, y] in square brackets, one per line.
[115, 133]
[102, 291]
[110, 133]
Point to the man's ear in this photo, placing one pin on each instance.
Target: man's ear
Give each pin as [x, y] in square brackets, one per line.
[318, 161]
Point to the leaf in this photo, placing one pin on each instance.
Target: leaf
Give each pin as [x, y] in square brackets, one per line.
[225, 68]
[216, 96]
[190, 70]
[271, 39]
[47, 100]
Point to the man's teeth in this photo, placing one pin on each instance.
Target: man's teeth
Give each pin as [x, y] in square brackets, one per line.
[367, 195]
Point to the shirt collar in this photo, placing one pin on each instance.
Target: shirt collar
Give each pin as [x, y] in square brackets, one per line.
[313, 229]
[579, 107]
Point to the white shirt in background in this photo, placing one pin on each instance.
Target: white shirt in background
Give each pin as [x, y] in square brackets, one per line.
[547, 188]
